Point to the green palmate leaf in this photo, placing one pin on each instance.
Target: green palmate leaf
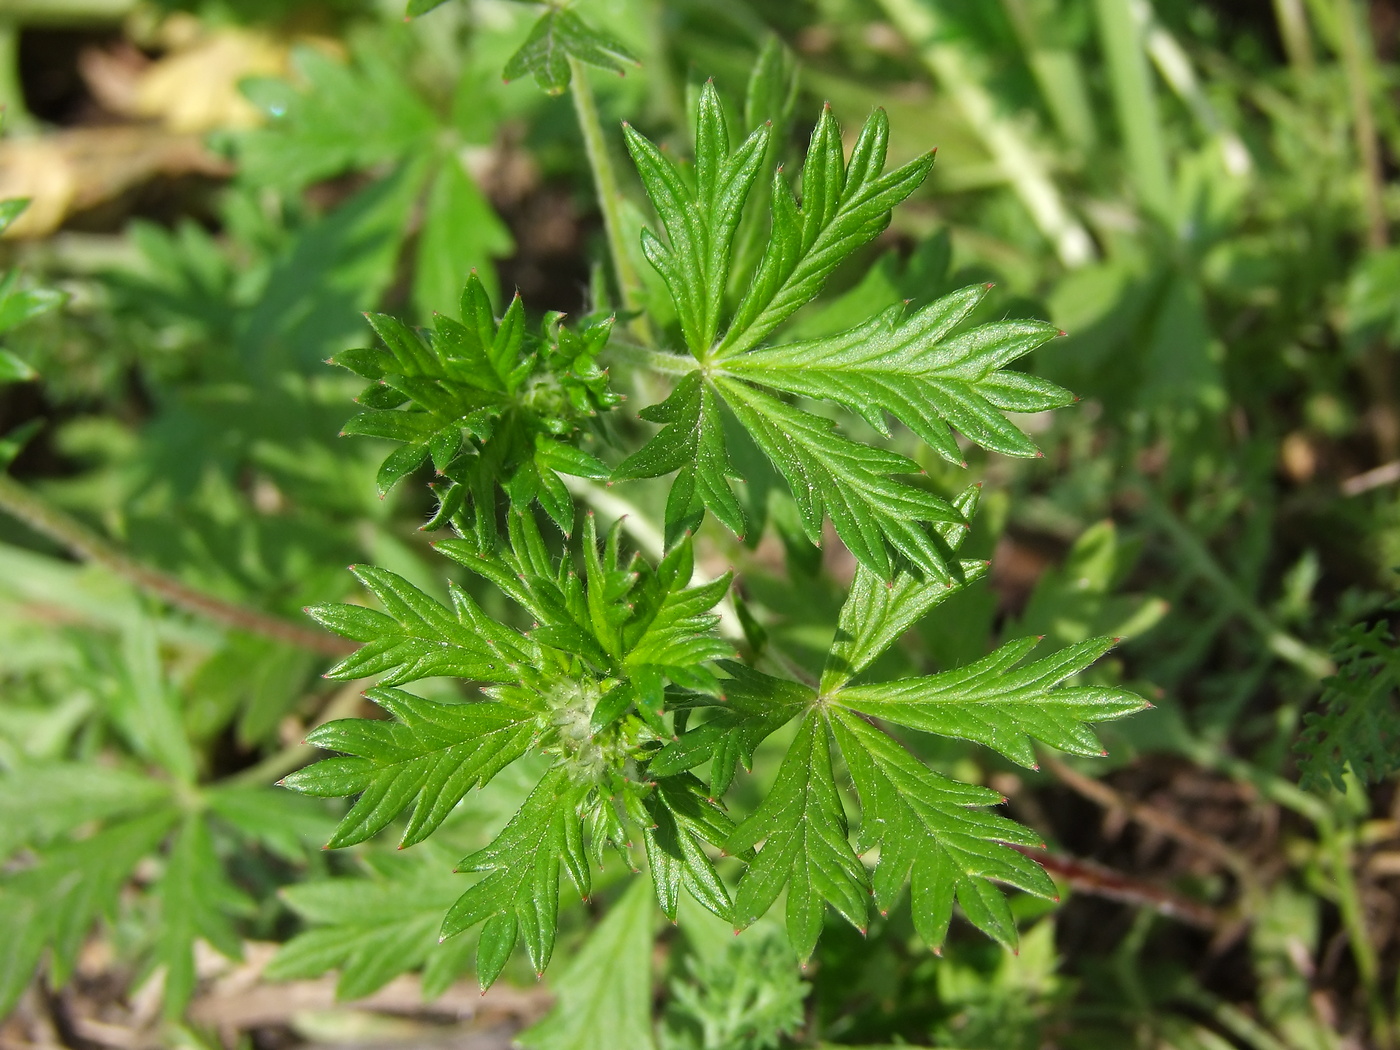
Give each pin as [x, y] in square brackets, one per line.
[196, 902]
[604, 997]
[52, 905]
[806, 849]
[488, 405]
[683, 821]
[700, 215]
[637, 626]
[915, 369]
[691, 441]
[558, 36]
[855, 485]
[753, 706]
[993, 702]
[930, 835]
[427, 759]
[844, 205]
[350, 116]
[518, 894]
[417, 637]
[374, 928]
[877, 613]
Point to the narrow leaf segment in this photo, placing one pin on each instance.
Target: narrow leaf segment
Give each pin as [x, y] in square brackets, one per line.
[923, 368]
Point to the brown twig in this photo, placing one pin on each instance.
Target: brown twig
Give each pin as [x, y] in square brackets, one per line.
[75, 537]
[1087, 877]
[1150, 816]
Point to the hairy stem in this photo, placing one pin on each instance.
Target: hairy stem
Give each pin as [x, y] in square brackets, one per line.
[82, 542]
[595, 144]
[656, 360]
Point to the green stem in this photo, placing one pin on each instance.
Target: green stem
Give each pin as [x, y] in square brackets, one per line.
[16, 114]
[1338, 852]
[1356, 62]
[1175, 66]
[1286, 646]
[46, 519]
[277, 765]
[656, 360]
[65, 12]
[1293, 29]
[595, 144]
[1135, 101]
[1019, 162]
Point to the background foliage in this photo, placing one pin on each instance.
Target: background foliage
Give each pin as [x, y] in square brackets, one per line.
[1200, 194]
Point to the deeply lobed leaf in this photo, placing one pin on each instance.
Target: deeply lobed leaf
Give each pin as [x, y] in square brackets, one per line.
[428, 758]
[993, 702]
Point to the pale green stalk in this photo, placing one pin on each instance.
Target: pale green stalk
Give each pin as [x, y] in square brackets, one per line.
[65, 12]
[1356, 60]
[16, 114]
[1135, 101]
[277, 765]
[1338, 852]
[595, 144]
[1175, 66]
[656, 360]
[1059, 76]
[1297, 40]
[1023, 167]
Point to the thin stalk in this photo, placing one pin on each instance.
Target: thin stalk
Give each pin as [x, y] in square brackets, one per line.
[595, 144]
[1356, 62]
[1135, 101]
[1021, 164]
[1059, 76]
[16, 114]
[656, 360]
[1363, 952]
[1293, 29]
[65, 12]
[277, 765]
[46, 519]
[1288, 647]
[1175, 66]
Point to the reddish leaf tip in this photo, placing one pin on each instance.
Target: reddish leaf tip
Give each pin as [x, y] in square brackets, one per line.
[990, 285]
[1062, 333]
[1035, 766]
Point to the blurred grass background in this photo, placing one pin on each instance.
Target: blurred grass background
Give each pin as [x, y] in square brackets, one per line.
[1202, 194]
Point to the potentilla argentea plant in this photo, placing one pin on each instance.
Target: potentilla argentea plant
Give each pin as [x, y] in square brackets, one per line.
[644, 710]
